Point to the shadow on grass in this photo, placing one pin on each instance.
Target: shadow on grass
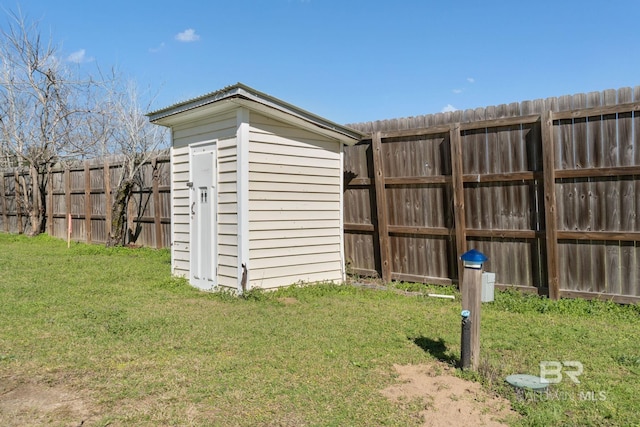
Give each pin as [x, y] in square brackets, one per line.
[436, 348]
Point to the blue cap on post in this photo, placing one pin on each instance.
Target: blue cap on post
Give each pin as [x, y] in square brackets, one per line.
[473, 259]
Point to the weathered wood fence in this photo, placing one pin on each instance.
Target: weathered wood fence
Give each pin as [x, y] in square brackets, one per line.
[85, 192]
[548, 189]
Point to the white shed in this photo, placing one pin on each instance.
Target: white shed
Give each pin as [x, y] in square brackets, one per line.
[256, 187]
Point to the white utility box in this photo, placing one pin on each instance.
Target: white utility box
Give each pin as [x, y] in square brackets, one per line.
[488, 285]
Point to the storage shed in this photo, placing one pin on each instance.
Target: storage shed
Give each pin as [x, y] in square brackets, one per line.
[256, 188]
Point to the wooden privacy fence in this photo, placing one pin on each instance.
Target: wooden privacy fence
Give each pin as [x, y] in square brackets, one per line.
[548, 189]
[85, 192]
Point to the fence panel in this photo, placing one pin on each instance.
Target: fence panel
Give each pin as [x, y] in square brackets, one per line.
[567, 228]
[83, 191]
[548, 189]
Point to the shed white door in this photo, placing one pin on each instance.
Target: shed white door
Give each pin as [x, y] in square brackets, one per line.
[203, 216]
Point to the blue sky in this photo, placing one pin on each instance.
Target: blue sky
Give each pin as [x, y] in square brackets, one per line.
[354, 61]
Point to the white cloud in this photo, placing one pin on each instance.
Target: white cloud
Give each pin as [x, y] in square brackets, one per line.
[157, 48]
[188, 35]
[449, 109]
[457, 91]
[79, 56]
[471, 80]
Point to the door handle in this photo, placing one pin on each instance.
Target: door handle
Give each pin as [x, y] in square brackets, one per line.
[192, 206]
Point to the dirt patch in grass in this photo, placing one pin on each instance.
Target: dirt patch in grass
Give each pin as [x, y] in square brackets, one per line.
[30, 404]
[288, 300]
[448, 400]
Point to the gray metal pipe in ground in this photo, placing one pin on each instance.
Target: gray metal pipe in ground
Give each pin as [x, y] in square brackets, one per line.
[465, 340]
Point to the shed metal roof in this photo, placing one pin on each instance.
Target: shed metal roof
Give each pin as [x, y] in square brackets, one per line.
[245, 93]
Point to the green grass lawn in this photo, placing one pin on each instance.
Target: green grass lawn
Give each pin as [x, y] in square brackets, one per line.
[146, 349]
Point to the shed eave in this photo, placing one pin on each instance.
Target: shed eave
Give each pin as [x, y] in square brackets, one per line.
[319, 128]
[188, 113]
[255, 100]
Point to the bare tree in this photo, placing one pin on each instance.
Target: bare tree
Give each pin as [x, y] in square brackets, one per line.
[43, 111]
[136, 141]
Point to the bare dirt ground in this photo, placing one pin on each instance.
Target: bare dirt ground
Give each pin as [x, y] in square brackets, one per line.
[448, 401]
[30, 404]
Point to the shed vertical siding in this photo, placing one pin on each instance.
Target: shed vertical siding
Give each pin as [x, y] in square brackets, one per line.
[180, 211]
[294, 205]
[227, 213]
[221, 129]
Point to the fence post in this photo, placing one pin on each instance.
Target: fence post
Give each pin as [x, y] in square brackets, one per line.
[550, 208]
[156, 202]
[49, 198]
[3, 193]
[87, 202]
[67, 192]
[36, 199]
[458, 195]
[381, 205]
[107, 198]
[18, 202]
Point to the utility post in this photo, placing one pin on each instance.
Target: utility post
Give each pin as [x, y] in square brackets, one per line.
[471, 289]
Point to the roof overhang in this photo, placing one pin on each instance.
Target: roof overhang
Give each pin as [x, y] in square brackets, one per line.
[240, 95]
